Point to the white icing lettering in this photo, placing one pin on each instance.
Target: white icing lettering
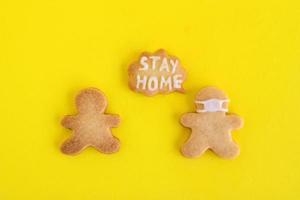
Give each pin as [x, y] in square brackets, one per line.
[141, 81]
[177, 81]
[152, 83]
[144, 63]
[164, 65]
[154, 60]
[166, 82]
[174, 65]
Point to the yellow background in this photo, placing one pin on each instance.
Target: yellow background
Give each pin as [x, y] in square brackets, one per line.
[49, 50]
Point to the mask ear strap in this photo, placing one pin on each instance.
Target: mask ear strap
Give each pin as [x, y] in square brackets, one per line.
[201, 110]
[224, 101]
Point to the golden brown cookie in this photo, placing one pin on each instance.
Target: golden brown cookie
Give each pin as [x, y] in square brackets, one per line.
[156, 73]
[91, 127]
[211, 126]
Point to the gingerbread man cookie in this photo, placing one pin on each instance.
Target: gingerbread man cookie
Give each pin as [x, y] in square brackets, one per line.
[91, 127]
[156, 73]
[211, 126]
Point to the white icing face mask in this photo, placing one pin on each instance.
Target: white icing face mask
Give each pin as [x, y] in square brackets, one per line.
[212, 105]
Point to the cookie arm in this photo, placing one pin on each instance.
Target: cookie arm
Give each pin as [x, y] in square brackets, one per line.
[68, 121]
[112, 120]
[188, 119]
[234, 122]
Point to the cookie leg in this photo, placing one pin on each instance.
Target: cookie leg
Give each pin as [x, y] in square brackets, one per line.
[194, 147]
[226, 149]
[109, 145]
[72, 146]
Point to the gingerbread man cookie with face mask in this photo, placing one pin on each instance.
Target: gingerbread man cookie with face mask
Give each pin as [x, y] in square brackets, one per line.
[91, 127]
[211, 126]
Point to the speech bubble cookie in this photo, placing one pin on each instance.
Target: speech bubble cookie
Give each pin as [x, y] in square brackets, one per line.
[156, 73]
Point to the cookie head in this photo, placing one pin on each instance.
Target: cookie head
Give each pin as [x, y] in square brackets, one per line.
[211, 99]
[91, 100]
